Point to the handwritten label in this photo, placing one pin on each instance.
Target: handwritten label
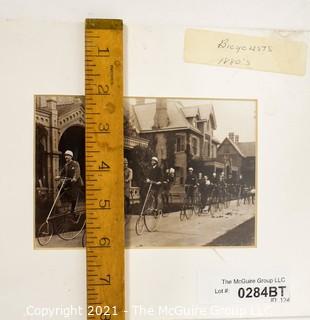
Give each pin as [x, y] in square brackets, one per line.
[240, 51]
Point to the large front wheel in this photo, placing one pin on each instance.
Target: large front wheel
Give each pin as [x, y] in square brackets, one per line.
[151, 214]
[189, 212]
[151, 220]
[71, 226]
[183, 213]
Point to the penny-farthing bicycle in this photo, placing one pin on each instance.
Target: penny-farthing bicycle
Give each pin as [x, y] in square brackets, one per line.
[150, 215]
[60, 220]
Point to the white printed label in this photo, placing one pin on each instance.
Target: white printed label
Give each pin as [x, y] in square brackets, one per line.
[243, 288]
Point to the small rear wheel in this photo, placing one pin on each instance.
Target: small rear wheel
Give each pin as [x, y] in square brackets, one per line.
[139, 225]
[45, 233]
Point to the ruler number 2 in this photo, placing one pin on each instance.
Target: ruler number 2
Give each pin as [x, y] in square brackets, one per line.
[103, 90]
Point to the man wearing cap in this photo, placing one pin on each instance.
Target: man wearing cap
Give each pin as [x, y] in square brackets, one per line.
[190, 185]
[128, 175]
[168, 180]
[72, 171]
[155, 176]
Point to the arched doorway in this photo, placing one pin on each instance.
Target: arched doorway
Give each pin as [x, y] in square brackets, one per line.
[41, 157]
[74, 139]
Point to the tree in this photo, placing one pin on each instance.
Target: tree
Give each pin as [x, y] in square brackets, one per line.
[171, 142]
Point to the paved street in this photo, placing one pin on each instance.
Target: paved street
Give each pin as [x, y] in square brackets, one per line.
[56, 242]
[235, 226]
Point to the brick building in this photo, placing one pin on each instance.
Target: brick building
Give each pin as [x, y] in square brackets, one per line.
[238, 158]
[59, 125]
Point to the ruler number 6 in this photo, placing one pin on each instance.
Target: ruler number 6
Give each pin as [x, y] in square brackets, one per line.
[105, 204]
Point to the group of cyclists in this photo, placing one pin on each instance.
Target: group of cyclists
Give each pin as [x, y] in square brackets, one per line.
[208, 190]
[216, 188]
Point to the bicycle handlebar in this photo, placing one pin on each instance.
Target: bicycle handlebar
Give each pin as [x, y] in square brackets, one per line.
[63, 179]
[153, 182]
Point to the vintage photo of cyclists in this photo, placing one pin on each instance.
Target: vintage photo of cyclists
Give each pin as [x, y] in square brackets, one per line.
[189, 172]
[59, 171]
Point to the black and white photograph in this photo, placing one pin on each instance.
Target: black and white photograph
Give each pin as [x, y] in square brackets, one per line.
[59, 171]
[189, 172]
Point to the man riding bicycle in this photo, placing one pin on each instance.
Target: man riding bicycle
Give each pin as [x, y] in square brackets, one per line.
[72, 173]
[190, 185]
[155, 177]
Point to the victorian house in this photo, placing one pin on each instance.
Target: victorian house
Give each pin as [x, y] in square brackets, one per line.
[180, 136]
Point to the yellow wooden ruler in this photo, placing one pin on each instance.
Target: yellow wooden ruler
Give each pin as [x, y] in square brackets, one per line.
[104, 168]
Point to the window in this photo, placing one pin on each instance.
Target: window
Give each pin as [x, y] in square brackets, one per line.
[214, 151]
[180, 143]
[195, 146]
[179, 177]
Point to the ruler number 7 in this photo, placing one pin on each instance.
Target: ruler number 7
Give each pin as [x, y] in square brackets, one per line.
[106, 280]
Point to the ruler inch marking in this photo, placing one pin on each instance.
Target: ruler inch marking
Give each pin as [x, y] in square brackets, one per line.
[104, 179]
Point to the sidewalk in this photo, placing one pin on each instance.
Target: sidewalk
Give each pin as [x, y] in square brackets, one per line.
[198, 231]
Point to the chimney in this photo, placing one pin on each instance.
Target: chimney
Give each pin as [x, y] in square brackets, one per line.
[77, 101]
[231, 136]
[161, 118]
[51, 104]
[236, 138]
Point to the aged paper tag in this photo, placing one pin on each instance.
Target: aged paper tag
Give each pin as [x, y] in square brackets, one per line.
[247, 52]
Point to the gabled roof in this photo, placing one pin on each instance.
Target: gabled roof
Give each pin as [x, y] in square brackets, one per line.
[247, 148]
[234, 145]
[177, 115]
[191, 112]
[145, 117]
[207, 111]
